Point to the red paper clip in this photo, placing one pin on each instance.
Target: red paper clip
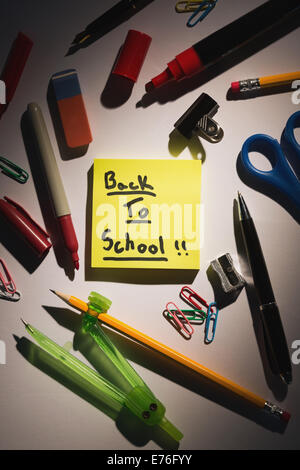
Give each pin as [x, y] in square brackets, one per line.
[6, 280]
[178, 321]
[193, 298]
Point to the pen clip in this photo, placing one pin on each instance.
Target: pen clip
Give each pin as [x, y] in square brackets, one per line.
[13, 171]
[22, 211]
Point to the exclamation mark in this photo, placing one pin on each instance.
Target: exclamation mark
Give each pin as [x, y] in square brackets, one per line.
[183, 245]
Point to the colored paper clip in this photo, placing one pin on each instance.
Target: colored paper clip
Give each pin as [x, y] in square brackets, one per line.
[196, 315]
[206, 7]
[13, 171]
[212, 316]
[191, 297]
[176, 318]
[188, 6]
[7, 284]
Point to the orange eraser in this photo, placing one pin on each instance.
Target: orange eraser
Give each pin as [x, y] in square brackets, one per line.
[71, 109]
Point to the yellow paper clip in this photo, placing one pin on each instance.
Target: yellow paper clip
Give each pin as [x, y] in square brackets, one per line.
[189, 6]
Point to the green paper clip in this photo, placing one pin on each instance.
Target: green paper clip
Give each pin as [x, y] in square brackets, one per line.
[13, 171]
[138, 398]
[192, 315]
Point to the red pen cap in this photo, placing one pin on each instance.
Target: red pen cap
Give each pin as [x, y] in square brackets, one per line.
[34, 235]
[14, 66]
[132, 55]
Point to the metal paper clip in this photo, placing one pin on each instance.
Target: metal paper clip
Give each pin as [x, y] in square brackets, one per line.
[13, 171]
[175, 316]
[7, 285]
[212, 316]
[205, 7]
[198, 120]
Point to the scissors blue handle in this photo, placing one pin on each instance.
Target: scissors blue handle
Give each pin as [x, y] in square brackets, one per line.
[289, 143]
[281, 179]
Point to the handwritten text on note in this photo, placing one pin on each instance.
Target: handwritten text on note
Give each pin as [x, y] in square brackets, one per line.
[146, 214]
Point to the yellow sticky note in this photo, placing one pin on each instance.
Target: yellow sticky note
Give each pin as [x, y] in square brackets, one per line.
[146, 214]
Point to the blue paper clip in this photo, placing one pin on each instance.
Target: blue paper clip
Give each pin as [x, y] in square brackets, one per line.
[212, 316]
[207, 6]
[13, 171]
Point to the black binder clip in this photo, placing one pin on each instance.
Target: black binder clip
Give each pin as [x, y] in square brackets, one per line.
[197, 120]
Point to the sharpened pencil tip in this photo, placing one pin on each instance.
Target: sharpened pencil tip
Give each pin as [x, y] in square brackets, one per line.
[26, 324]
[61, 295]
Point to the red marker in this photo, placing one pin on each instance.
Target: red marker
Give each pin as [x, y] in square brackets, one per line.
[14, 67]
[56, 188]
[227, 41]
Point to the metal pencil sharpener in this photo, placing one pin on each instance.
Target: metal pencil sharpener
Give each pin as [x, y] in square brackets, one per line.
[227, 283]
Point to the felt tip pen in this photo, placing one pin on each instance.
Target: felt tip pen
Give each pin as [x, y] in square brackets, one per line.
[227, 41]
[56, 189]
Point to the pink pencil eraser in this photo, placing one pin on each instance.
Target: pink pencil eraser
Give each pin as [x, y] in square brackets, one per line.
[235, 87]
[285, 416]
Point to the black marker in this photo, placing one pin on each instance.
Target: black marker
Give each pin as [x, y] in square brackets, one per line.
[227, 41]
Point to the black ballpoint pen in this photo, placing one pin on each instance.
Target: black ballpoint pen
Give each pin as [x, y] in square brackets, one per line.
[120, 12]
[268, 308]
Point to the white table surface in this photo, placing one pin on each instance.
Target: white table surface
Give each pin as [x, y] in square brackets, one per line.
[37, 412]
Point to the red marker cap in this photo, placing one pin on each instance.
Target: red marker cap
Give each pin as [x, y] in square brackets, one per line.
[185, 64]
[35, 235]
[14, 67]
[70, 238]
[132, 55]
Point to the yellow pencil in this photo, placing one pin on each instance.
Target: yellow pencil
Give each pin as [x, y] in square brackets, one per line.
[264, 82]
[178, 357]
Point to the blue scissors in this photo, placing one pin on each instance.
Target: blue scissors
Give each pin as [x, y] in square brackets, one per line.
[282, 183]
